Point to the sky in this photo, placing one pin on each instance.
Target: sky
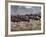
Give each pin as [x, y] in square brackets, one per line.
[22, 10]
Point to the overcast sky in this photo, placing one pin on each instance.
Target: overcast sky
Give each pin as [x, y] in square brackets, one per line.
[22, 10]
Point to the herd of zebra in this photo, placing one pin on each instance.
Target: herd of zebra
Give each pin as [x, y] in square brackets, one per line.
[27, 17]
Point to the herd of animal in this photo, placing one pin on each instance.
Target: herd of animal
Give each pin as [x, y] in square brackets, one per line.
[27, 17]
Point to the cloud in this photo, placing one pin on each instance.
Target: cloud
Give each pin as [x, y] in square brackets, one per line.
[28, 7]
[22, 10]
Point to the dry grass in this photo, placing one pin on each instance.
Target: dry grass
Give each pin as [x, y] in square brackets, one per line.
[25, 26]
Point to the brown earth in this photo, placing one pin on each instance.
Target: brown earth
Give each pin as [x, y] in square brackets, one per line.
[26, 26]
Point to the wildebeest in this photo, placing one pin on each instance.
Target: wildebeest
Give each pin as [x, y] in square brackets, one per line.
[19, 18]
[27, 17]
[39, 16]
[24, 18]
[36, 18]
[15, 19]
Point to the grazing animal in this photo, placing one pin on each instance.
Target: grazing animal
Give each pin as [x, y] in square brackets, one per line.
[13, 18]
[39, 16]
[36, 18]
[18, 19]
[26, 17]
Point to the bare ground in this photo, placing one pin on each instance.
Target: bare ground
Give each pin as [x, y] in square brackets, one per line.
[26, 26]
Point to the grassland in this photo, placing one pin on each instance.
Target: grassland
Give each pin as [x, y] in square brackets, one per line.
[26, 26]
